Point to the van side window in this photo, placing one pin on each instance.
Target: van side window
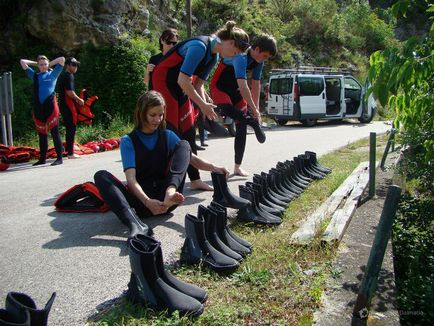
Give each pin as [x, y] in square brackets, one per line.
[280, 86]
[310, 86]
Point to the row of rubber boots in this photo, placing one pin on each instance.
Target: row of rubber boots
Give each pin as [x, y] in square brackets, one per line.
[209, 240]
[270, 193]
[21, 310]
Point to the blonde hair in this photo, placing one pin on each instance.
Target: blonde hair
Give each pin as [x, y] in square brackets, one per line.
[231, 32]
[41, 57]
[145, 102]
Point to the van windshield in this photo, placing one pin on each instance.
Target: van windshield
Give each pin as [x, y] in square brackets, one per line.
[281, 86]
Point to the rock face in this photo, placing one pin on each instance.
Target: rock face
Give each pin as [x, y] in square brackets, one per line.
[72, 24]
[69, 25]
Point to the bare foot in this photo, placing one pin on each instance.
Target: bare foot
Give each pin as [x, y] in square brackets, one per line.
[74, 156]
[173, 198]
[239, 171]
[200, 185]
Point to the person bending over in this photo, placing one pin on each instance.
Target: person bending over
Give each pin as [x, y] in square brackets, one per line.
[173, 78]
[155, 162]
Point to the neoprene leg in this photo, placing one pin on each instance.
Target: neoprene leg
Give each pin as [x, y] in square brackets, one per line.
[57, 141]
[240, 142]
[178, 165]
[43, 147]
[70, 129]
[189, 136]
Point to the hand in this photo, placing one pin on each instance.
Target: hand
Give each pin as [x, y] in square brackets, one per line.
[208, 111]
[80, 101]
[222, 169]
[257, 115]
[150, 67]
[155, 206]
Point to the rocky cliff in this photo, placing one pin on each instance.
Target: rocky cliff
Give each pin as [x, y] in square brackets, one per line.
[68, 25]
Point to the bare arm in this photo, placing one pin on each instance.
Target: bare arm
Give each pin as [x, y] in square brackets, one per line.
[185, 83]
[154, 205]
[26, 63]
[201, 164]
[149, 68]
[59, 60]
[245, 93]
[75, 97]
[256, 89]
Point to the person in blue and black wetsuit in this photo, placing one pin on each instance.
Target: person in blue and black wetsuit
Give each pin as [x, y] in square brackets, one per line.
[172, 77]
[155, 162]
[45, 109]
[231, 93]
[167, 40]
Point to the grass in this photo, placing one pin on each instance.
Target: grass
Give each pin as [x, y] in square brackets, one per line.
[280, 283]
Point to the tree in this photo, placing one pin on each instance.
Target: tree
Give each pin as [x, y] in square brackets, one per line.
[403, 79]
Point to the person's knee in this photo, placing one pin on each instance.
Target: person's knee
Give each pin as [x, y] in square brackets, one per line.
[101, 177]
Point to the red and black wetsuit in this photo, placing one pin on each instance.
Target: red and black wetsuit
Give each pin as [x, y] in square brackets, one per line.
[179, 108]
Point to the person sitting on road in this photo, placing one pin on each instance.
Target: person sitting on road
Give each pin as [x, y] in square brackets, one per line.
[45, 109]
[231, 93]
[155, 162]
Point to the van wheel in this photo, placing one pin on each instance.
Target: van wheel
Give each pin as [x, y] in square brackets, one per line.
[366, 118]
[232, 129]
[309, 122]
[281, 122]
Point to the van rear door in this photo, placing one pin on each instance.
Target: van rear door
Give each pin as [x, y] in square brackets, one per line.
[280, 101]
[312, 96]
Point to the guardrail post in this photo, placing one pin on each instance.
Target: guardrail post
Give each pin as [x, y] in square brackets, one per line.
[372, 167]
[390, 141]
[6, 108]
[376, 256]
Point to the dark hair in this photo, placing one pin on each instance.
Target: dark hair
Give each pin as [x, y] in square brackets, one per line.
[265, 43]
[230, 32]
[166, 36]
[145, 102]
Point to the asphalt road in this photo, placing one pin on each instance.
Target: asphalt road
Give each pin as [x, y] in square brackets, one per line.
[83, 257]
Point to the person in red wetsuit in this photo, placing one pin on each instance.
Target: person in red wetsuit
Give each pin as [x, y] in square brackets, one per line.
[167, 40]
[68, 100]
[233, 97]
[45, 109]
[172, 77]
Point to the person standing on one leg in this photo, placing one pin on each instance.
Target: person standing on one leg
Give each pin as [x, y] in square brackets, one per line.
[231, 93]
[45, 109]
[68, 100]
[155, 162]
[172, 77]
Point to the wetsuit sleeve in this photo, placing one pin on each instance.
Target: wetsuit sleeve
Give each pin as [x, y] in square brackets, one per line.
[56, 71]
[193, 56]
[127, 153]
[257, 71]
[68, 82]
[30, 72]
[240, 66]
[172, 140]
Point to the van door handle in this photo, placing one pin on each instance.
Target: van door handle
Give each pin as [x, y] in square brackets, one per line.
[323, 95]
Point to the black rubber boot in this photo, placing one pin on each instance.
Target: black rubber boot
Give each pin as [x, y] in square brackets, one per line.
[307, 161]
[264, 207]
[258, 180]
[197, 249]
[300, 162]
[16, 302]
[146, 287]
[13, 319]
[210, 218]
[253, 212]
[228, 236]
[252, 122]
[222, 195]
[133, 222]
[274, 208]
[312, 157]
[288, 179]
[186, 288]
[293, 173]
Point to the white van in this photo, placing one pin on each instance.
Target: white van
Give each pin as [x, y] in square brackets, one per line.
[307, 94]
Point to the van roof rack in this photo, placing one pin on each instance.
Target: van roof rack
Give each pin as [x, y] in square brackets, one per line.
[315, 70]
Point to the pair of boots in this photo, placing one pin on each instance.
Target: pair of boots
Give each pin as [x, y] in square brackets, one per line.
[21, 310]
[154, 286]
[222, 195]
[210, 241]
